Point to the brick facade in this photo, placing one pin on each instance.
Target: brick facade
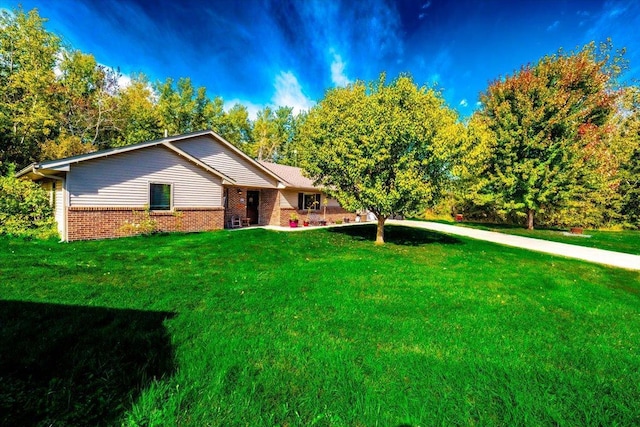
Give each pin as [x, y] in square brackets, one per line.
[269, 203]
[86, 223]
[237, 205]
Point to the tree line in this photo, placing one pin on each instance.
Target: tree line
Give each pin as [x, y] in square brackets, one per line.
[56, 101]
[555, 143]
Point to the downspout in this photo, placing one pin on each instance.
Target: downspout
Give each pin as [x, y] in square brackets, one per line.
[64, 199]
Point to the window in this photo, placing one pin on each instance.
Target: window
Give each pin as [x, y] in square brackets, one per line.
[160, 197]
[309, 200]
[53, 196]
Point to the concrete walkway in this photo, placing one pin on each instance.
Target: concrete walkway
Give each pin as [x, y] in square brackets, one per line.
[599, 256]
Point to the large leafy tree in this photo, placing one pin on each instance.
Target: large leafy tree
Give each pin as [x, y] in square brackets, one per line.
[27, 112]
[136, 114]
[629, 174]
[272, 133]
[550, 130]
[382, 147]
[86, 106]
[235, 127]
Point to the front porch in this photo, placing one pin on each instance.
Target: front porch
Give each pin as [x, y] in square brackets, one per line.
[247, 206]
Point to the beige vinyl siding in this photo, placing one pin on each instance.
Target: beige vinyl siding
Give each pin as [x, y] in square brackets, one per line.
[224, 160]
[123, 180]
[60, 208]
[56, 200]
[289, 199]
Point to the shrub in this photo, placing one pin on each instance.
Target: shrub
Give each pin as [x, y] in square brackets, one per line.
[25, 209]
[142, 224]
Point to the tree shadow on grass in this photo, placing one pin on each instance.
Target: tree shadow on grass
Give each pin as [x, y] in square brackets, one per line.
[71, 365]
[398, 235]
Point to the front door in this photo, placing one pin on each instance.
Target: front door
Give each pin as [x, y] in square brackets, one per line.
[253, 202]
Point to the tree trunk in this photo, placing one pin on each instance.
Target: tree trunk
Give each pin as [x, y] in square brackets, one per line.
[530, 214]
[380, 231]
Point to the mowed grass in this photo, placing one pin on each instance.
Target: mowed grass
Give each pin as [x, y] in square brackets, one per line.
[626, 241]
[260, 328]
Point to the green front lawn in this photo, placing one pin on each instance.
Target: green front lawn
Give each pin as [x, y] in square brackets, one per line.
[627, 241]
[253, 327]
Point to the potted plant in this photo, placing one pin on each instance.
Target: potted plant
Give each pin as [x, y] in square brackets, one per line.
[310, 207]
[325, 202]
[293, 220]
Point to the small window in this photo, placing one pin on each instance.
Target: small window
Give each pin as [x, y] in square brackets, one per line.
[53, 195]
[160, 197]
[309, 200]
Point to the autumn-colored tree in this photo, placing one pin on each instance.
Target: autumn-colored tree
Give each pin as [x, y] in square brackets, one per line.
[87, 107]
[27, 59]
[629, 174]
[381, 147]
[550, 128]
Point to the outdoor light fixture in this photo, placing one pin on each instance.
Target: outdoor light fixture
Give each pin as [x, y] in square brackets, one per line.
[239, 191]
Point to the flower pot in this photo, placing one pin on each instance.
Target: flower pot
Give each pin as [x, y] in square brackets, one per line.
[305, 223]
[323, 222]
[293, 223]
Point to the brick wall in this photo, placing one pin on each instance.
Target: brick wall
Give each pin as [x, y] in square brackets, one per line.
[333, 214]
[86, 223]
[269, 201]
[267, 214]
[236, 203]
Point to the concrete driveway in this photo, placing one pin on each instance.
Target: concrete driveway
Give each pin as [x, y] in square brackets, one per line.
[599, 256]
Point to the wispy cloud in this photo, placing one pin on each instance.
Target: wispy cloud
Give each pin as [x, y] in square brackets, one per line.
[607, 23]
[553, 26]
[370, 30]
[464, 103]
[288, 92]
[424, 7]
[252, 109]
[338, 76]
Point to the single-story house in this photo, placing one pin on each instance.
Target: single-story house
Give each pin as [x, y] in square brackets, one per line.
[192, 182]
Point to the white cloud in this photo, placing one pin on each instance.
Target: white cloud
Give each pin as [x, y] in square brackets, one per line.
[252, 109]
[553, 26]
[289, 93]
[124, 81]
[464, 103]
[338, 77]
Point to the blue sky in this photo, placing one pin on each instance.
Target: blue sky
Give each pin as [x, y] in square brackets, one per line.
[263, 53]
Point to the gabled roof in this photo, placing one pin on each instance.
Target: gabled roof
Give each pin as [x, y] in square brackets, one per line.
[62, 165]
[291, 175]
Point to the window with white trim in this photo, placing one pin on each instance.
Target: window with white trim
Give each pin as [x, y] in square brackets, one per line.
[159, 197]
